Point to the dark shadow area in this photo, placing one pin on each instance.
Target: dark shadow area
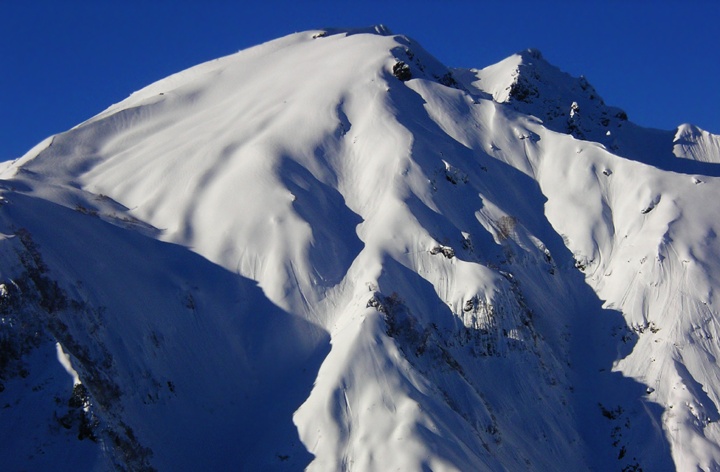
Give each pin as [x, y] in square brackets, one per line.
[709, 408]
[655, 148]
[208, 370]
[335, 243]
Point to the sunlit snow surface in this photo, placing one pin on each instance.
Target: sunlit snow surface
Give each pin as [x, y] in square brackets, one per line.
[289, 258]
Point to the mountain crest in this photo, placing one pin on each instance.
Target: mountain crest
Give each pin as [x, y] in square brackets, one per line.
[378, 29]
[531, 54]
[533, 86]
[331, 252]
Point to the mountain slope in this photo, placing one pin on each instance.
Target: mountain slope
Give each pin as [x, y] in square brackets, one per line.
[331, 251]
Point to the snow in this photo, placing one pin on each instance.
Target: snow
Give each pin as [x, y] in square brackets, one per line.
[287, 258]
[66, 362]
[694, 143]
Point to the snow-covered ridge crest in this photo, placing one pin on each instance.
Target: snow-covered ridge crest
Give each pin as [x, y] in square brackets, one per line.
[214, 66]
[566, 104]
[332, 252]
[691, 142]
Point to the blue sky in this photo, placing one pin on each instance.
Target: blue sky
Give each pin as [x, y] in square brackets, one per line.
[63, 62]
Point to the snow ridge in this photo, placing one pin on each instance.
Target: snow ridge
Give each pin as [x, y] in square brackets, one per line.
[333, 252]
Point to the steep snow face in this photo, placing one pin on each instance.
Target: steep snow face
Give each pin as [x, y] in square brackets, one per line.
[330, 251]
[694, 143]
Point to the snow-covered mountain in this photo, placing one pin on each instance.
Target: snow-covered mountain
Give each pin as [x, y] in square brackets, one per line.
[332, 252]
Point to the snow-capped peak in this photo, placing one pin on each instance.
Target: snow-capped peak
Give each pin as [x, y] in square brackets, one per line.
[331, 252]
[533, 86]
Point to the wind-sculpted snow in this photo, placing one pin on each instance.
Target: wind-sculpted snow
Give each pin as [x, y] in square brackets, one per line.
[332, 252]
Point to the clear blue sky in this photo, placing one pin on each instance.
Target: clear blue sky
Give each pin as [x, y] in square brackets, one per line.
[62, 62]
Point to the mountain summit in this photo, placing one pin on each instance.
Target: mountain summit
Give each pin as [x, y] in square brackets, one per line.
[333, 252]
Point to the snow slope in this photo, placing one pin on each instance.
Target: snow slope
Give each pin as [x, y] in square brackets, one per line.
[332, 252]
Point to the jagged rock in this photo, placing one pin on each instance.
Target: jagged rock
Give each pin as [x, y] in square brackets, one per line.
[401, 71]
[444, 250]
